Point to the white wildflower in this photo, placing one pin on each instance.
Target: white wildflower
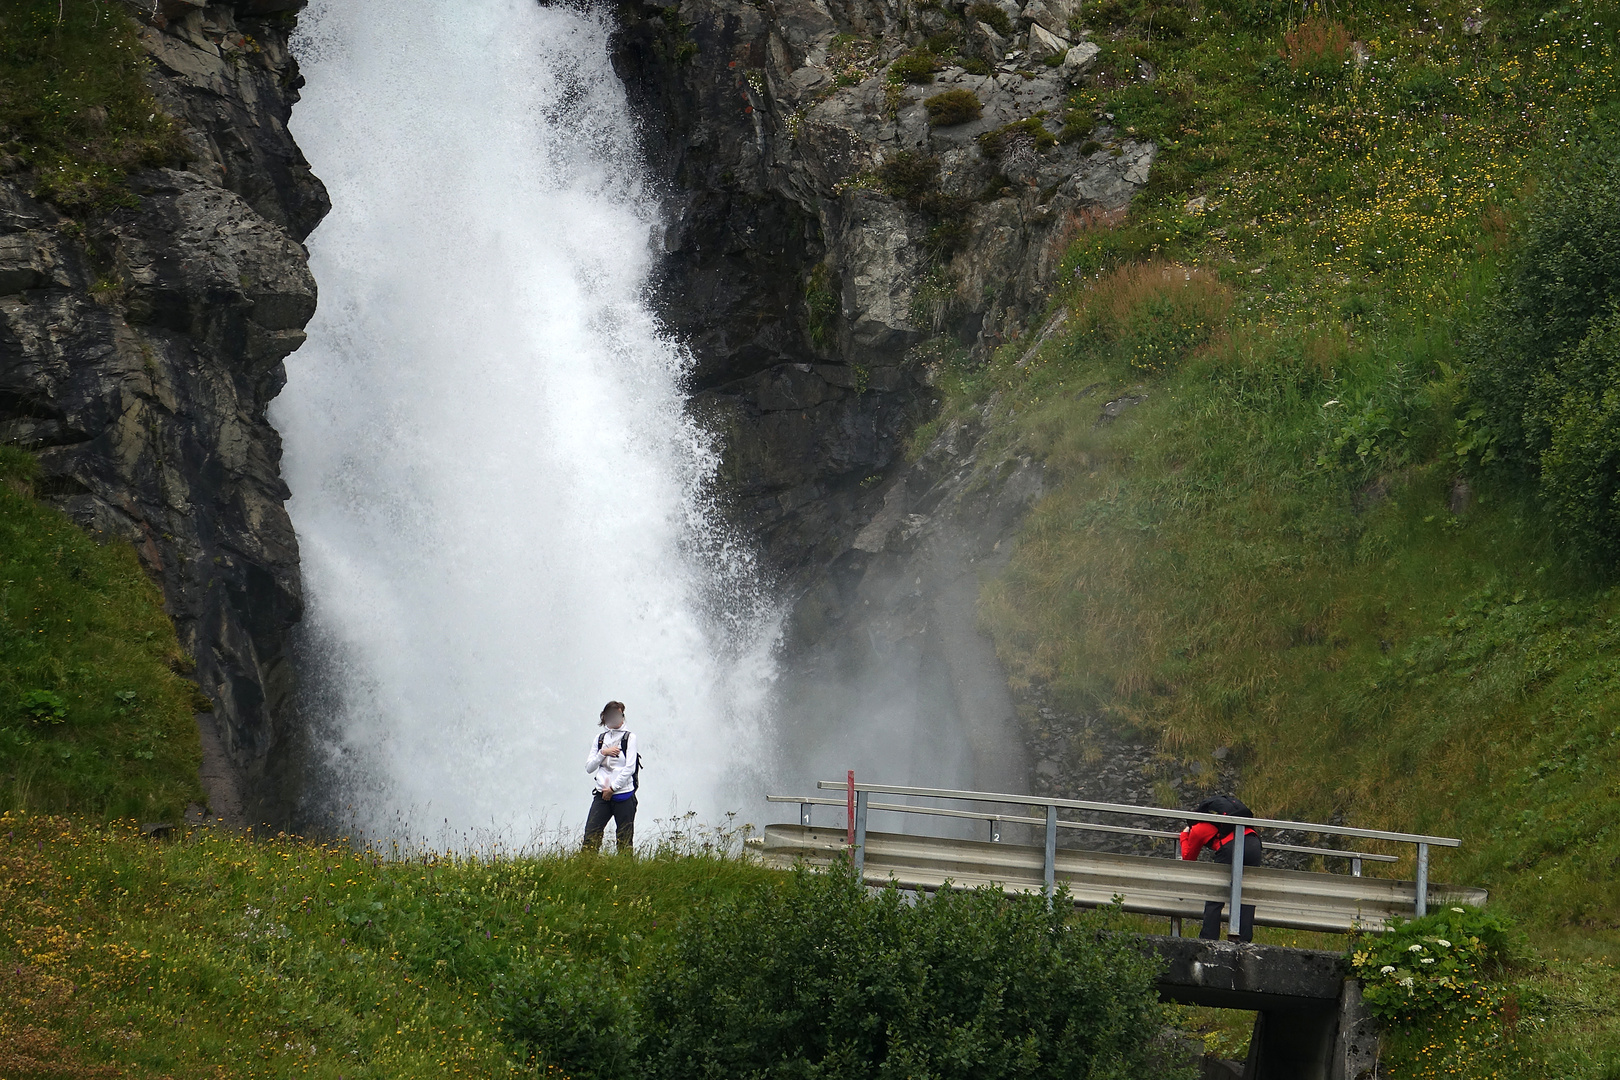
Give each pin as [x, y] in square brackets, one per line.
[1442, 942]
[1414, 948]
[1387, 969]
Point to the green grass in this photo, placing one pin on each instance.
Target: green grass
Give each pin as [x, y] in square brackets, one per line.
[85, 641]
[233, 955]
[225, 954]
[75, 112]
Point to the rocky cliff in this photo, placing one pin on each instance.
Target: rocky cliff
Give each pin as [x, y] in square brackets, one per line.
[140, 347]
[860, 192]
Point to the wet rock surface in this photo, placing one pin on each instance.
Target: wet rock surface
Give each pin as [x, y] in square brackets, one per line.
[794, 255]
[138, 352]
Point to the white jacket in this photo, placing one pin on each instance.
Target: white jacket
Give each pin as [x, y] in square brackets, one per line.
[613, 772]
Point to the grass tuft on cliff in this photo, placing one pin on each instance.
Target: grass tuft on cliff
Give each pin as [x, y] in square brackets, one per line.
[94, 716]
[76, 115]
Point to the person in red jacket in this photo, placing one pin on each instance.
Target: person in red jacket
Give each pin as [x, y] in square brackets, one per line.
[1219, 839]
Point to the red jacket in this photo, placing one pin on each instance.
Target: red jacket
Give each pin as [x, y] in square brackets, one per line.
[1196, 837]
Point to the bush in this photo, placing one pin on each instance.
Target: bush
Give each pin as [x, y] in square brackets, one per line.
[1078, 124]
[993, 17]
[1420, 968]
[953, 107]
[817, 978]
[821, 305]
[1577, 404]
[1542, 357]
[915, 67]
[574, 1018]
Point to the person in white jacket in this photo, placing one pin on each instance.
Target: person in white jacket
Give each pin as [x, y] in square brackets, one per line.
[615, 764]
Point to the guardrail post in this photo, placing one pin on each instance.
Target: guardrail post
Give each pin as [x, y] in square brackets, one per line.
[1234, 927]
[995, 831]
[849, 816]
[804, 814]
[1051, 851]
[860, 832]
[1423, 880]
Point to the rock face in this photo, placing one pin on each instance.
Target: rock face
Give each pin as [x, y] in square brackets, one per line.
[821, 226]
[831, 243]
[139, 350]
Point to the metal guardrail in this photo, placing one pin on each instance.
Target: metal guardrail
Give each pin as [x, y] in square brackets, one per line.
[997, 820]
[1142, 884]
[858, 805]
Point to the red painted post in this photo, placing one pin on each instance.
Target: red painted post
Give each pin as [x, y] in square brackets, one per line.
[850, 815]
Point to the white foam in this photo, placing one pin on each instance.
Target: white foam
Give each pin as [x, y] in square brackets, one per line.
[499, 496]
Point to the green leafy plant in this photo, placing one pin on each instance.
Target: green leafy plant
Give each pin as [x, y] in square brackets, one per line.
[44, 707]
[953, 107]
[1544, 355]
[1434, 964]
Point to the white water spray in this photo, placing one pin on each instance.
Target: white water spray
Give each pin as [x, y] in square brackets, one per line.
[499, 497]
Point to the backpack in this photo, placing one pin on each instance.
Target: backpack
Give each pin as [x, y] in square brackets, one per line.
[1225, 804]
[635, 773]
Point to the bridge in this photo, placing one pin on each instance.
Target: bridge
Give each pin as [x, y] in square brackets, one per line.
[1309, 1024]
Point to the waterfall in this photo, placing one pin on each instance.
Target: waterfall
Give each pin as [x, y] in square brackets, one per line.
[501, 501]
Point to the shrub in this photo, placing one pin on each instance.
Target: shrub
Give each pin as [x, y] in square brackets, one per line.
[1541, 359]
[1577, 403]
[993, 17]
[818, 978]
[576, 1019]
[1078, 124]
[909, 176]
[915, 67]
[953, 107]
[1432, 965]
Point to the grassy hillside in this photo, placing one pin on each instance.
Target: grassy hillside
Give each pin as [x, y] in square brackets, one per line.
[1291, 546]
[232, 956]
[95, 713]
[1324, 535]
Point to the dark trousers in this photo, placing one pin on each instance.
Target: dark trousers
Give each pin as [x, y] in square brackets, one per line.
[623, 813]
[1214, 908]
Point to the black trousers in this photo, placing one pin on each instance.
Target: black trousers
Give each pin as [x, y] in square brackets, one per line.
[1214, 908]
[623, 813]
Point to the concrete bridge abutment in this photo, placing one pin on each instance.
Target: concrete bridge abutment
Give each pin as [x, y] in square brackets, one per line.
[1310, 1021]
